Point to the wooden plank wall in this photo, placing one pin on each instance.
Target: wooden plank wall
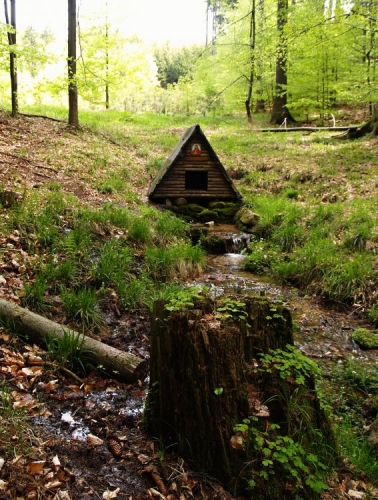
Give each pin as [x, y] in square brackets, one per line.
[173, 183]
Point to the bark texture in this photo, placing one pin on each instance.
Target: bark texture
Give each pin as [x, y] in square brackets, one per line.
[73, 106]
[194, 357]
[12, 40]
[204, 380]
[369, 128]
[118, 364]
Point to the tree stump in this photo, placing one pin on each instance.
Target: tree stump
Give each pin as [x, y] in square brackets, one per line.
[205, 379]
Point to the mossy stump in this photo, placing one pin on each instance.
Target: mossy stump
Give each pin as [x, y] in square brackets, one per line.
[204, 380]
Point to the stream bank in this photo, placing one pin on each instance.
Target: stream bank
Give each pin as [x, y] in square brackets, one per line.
[320, 332]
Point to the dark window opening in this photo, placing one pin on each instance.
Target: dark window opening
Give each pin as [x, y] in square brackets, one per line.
[196, 180]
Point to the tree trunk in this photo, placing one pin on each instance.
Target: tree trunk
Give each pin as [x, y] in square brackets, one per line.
[280, 113]
[252, 44]
[73, 108]
[204, 379]
[12, 54]
[368, 128]
[107, 102]
[117, 364]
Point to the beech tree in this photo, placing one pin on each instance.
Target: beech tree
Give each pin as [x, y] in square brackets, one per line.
[291, 58]
[11, 22]
[174, 63]
[34, 56]
[113, 70]
[252, 39]
[280, 110]
[366, 16]
[73, 108]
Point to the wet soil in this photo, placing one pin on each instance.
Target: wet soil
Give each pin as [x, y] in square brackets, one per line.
[320, 332]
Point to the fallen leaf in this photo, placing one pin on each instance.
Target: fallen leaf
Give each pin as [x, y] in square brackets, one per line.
[51, 386]
[191, 484]
[3, 485]
[93, 440]
[110, 494]
[262, 411]
[28, 372]
[155, 493]
[356, 494]
[56, 462]
[67, 418]
[237, 442]
[53, 484]
[35, 360]
[45, 413]
[16, 459]
[62, 495]
[23, 400]
[35, 467]
[143, 459]
[65, 475]
[5, 336]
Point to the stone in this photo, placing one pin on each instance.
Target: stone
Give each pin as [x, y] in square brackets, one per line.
[373, 435]
[247, 217]
[179, 202]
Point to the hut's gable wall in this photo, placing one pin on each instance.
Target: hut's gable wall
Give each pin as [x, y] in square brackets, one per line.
[194, 172]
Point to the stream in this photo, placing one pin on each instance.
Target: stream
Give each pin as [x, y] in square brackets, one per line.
[319, 332]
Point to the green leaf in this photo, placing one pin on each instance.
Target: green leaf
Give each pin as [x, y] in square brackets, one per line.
[267, 462]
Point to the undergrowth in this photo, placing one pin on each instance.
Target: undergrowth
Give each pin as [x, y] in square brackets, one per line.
[89, 257]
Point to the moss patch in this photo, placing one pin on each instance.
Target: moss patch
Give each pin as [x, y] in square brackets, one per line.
[365, 338]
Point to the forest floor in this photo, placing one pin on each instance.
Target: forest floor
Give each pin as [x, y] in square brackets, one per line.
[82, 438]
[78, 438]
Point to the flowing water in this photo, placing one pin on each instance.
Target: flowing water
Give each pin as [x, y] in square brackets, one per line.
[320, 332]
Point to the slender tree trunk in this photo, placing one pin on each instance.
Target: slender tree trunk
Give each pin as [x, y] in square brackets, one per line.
[260, 104]
[107, 104]
[73, 109]
[12, 54]
[207, 22]
[280, 111]
[252, 43]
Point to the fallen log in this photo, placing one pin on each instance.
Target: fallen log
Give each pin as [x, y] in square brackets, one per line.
[117, 364]
[307, 129]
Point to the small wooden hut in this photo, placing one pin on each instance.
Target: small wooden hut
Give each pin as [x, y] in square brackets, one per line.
[194, 172]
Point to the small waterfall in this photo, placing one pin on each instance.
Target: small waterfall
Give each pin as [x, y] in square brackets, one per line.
[220, 240]
[237, 242]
